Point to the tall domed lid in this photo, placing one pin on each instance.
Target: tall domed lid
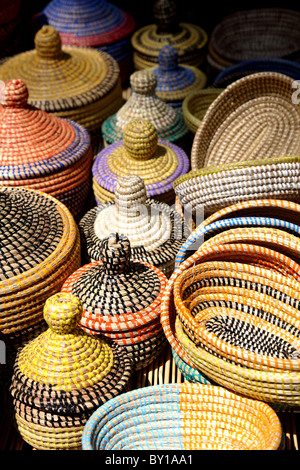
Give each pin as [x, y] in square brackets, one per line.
[88, 22]
[62, 77]
[158, 162]
[33, 142]
[145, 104]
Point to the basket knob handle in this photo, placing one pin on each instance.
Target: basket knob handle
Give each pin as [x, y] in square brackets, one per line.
[115, 254]
[13, 93]
[48, 43]
[140, 139]
[143, 82]
[130, 196]
[62, 312]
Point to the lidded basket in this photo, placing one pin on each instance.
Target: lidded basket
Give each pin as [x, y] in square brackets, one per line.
[121, 299]
[155, 230]
[144, 103]
[42, 151]
[142, 153]
[62, 376]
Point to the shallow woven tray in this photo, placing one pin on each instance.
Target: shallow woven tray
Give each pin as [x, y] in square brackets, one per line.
[195, 105]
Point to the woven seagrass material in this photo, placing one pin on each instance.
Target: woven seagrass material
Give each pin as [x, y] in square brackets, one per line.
[121, 299]
[230, 310]
[254, 34]
[195, 105]
[62, 376]
[247, 67]
[215, 187]
[175, 81]
[77, 83]
[253, 118]
[42, 151]
[154, 229]
[185, 417]
[189, 39]
[95, 23]
[143, 103]
[142, 153]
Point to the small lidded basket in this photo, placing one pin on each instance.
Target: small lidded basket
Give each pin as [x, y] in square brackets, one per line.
[61, 377]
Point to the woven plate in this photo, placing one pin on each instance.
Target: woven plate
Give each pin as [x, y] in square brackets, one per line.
[253, 118]
[182, 416]
[53, 74]
[154, 229]
[62, 376]
[143, 103]
[195, 105]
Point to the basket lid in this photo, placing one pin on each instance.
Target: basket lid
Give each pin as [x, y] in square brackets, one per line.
[155, 231]
[62, 77]
[145, 104]
[88, 23]
[141, 153]
[33, 142]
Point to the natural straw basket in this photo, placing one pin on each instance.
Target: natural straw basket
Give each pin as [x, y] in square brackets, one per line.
[175, 81]
[121, 299]
[253, 118]
[195, 105]
[141, 152]
[215, 187]
[189, 39]
[42, 151]
[185, 417]
[143, 103]
[54, 76]
[62, 376]
[154, 229]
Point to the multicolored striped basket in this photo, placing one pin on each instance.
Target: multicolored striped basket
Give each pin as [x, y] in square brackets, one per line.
[154, 229]
[54, 76]
[61, 377]
[190, 40]
[247, 277]
[182, 417]
[41, 151]
[175, 81]
[143, 153]
[253, 118]
[40, 248]
[260, 33]
[215, 187]
[143, 103]
[121, 300]
[248, 67]
[96, 23]
[195, 105]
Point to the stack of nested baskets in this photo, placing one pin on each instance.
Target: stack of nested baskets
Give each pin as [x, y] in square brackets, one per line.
[77, 83]
[121, 300]
[42, 151]
[95, 23]
[154, 229]
[10, 28]
[40, 248]
[182, 417]
[176, 81]
[254, 34]
[142, 153]
[143, 103]
[167, 29]
[231, 310]
[61, 377]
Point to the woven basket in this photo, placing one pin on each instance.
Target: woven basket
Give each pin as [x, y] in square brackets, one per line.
[255, 34]
[248, 67]
[195, 105]
[147, 41]
[182, 417]
[42, 151]
[121, 299]
[62, 376]
[175, 81]
[213, 188]
[143, 103]
[154, 229]
[53, 74]
[141, 152]
[253, 118]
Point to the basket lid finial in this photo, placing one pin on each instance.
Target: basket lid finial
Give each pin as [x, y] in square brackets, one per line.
[48, 43]
[130, 196]
[140, 139]
[13, 93]
[115, 254]
[168, 58]
[62, 312]
[143, 82]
